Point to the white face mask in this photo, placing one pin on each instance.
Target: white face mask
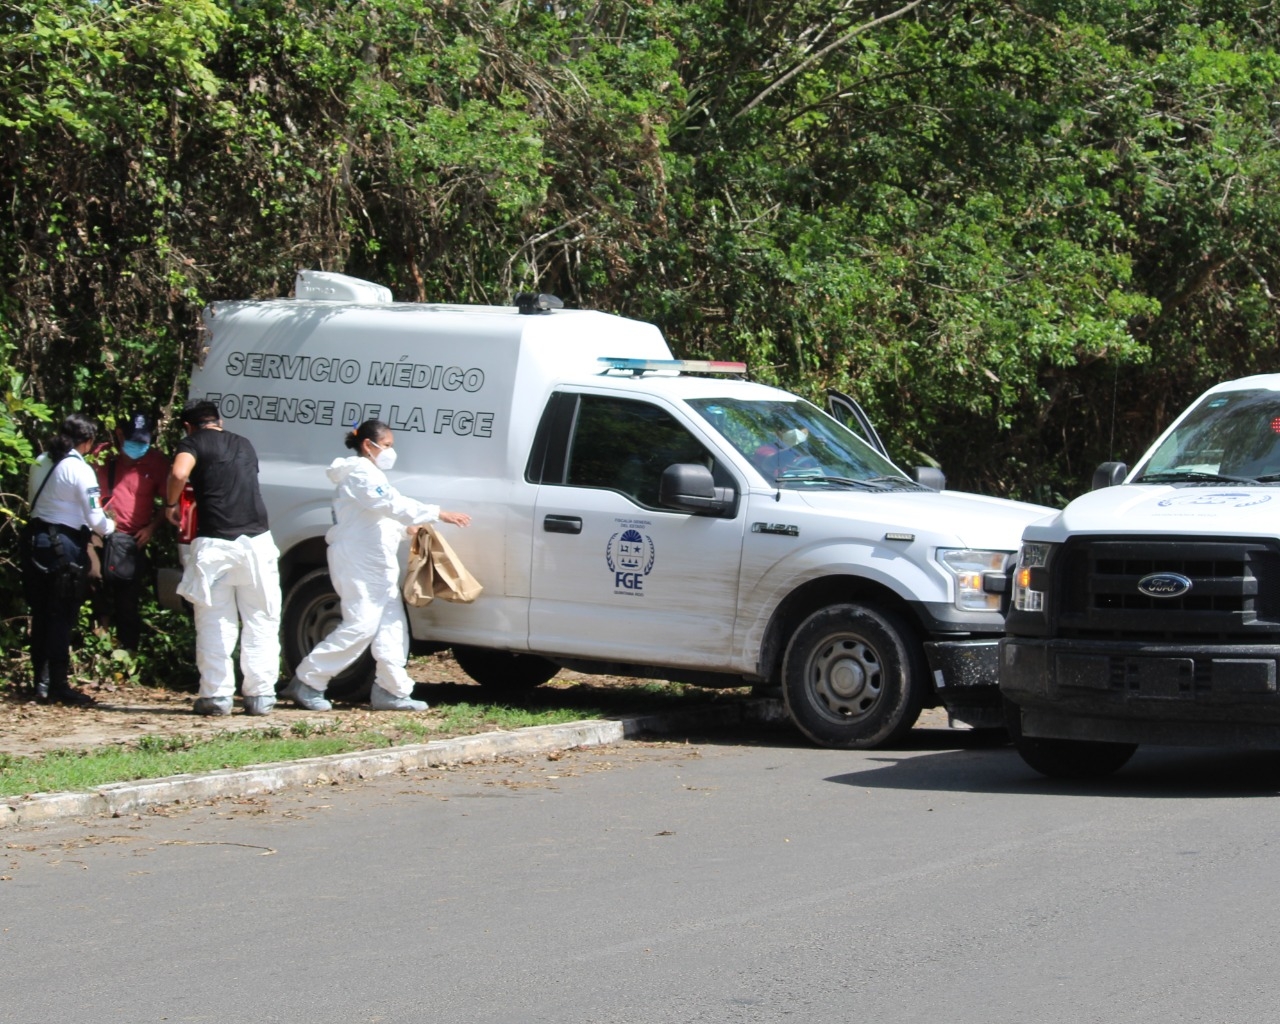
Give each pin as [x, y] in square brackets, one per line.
[385, 459]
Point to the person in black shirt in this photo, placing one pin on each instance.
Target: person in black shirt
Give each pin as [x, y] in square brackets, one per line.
[232, 576]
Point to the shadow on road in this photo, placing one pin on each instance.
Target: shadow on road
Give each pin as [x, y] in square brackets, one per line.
[1154, 772]
[926, 759]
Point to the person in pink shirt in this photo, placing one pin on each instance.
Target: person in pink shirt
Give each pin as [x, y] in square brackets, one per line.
[132, 477]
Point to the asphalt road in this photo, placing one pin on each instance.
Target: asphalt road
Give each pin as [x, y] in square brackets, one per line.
[707, 882]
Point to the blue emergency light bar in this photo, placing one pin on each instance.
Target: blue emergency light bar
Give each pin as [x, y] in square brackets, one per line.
[639, 366]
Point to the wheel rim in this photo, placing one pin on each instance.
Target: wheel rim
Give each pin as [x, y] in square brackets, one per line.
[320, 619]
[846, 678]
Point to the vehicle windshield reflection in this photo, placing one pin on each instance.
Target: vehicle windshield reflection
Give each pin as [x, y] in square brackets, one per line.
[1229, 437]
[795, 444]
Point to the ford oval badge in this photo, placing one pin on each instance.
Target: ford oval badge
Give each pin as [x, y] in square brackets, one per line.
[1164, 584]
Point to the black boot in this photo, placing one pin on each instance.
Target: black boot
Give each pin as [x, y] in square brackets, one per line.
[60, 691]
[39, 675]
[68, 695]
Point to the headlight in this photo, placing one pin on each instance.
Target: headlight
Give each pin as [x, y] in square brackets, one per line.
[979, 577]
[1030, 579]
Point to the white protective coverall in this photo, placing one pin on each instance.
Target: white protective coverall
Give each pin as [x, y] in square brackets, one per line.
[230, 582]
[370, 517]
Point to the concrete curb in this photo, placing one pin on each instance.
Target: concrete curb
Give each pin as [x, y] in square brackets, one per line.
[119, 798]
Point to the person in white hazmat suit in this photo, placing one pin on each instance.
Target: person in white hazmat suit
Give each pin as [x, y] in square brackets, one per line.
[232, 574]
[370, 521]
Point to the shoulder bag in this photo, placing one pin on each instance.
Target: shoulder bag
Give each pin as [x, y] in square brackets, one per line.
[119, 558]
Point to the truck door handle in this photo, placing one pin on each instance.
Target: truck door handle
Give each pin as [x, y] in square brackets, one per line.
[562, 524]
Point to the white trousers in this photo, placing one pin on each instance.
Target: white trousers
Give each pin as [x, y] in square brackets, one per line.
[367, 581]
[234, 587]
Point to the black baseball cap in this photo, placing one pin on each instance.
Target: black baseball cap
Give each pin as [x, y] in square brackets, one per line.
[137, 427]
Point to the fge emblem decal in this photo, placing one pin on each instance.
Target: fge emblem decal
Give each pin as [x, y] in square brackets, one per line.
[629, 555]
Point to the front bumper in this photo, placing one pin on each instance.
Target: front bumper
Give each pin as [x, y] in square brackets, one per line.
[1131, 692]
[965, 678]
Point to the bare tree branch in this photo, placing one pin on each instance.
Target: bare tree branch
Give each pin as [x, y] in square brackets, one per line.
[815, 57]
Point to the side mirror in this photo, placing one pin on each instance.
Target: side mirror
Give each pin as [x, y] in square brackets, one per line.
[691, 488]
[1109, 474]
[930, 477]
[1006, 595]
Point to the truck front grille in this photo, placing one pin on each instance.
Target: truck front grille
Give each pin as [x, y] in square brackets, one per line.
[1234, 592]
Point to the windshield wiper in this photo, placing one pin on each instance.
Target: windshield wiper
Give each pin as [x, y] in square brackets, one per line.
[1194, 476]
[819, 478]
[898, 483]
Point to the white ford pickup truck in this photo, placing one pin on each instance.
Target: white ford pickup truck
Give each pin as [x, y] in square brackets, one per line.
[1148, 611]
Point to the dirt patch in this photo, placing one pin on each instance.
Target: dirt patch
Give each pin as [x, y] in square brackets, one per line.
[125, 713]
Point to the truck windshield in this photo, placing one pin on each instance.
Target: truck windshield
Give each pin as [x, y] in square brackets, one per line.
[1231, 436]
[795, 444]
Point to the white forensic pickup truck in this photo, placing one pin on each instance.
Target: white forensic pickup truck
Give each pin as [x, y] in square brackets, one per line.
[1148, 611]
[632, 514]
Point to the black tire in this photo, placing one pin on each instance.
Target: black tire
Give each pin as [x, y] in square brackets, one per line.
[853, 677]
[504, 671]
[1066, 759]
[311, 612]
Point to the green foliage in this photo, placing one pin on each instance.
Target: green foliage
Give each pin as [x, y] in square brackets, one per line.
[1022, 236]
[164, 657]
[165, 650]
[971, 219]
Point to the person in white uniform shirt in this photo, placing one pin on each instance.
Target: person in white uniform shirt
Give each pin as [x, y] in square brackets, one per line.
[370, 517]
[65, 508]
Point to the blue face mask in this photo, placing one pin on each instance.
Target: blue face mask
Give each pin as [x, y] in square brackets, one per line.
[135, 449]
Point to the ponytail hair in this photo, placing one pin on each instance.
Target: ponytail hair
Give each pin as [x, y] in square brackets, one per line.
[76, 429]
[369, 430]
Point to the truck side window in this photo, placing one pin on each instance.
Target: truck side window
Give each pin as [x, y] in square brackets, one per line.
[624, 446]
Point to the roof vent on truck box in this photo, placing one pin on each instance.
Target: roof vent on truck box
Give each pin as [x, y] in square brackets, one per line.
[529, 303]
[318, 284]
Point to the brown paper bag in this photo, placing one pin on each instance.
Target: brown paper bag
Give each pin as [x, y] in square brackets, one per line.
[436, 571]
[419, 587]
